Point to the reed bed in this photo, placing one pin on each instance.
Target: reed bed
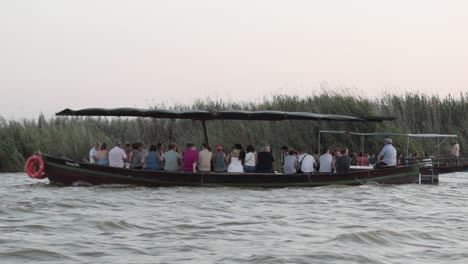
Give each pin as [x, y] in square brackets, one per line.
[417, 113]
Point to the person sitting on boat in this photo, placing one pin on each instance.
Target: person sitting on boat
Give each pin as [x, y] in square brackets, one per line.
[128, 151]
[117, 156]
[265, 160]
[93, 153]
[204, 159]
[306, 162]
[284, 153]
[235, 159]
[190, 158]
[290, 163]
[103, 155]
[250, 161]
[388, 155]
[343, 161]
[154, 160]
[219, 159]
[455, 152]
[372, 159]
[325, 161]
[172, 159]
[362, 159]
[426, 162]
[137, 156]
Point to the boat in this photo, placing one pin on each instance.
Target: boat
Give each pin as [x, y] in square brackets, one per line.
[430, 167]
[64, 171]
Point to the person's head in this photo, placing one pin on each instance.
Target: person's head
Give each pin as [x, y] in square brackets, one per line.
[360, 154]
[135, 146]
[117, 143]
[344, 151]
[160, 146]
[284, 149]
[325, 150]
[250, 148]
[153, 148]
[238, 146]
[301, 149]
[219, 148]
[266, 148]
[204, 146]
[189, 145]
[171, 146]
[96, 145]
[292, 152]
[128, 147]
[103, 146]
[387, 141]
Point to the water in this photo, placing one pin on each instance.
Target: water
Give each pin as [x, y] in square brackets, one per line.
[126, 224]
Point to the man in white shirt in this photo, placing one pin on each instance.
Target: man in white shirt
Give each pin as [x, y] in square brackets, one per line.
[117, 156]
[305, 162]
[388, 155]
[93, 153]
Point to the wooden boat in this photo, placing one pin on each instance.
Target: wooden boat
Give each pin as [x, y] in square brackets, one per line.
[68, 172]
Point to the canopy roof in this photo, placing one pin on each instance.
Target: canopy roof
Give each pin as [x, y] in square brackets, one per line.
[389, 134]
[216, 115]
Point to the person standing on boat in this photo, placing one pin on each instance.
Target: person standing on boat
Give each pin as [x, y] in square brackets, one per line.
[190, 158]
[93, 153]
[456, 152]
[343, 161]
[204, 159]
[325, 161]
[117, 156]
[103, 155]
[306, 162]
[388, 155]
[235, 159]
[172, 159]
[265, 160]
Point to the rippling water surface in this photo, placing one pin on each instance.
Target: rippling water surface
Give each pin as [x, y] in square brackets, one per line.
[126, 224]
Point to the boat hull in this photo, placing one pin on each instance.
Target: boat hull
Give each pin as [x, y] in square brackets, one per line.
[69, 172]
[452, 168]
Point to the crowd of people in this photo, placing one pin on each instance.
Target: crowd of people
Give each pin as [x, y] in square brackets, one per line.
[238, 160]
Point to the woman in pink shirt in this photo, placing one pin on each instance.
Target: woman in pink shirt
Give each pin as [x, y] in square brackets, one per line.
[190, 158]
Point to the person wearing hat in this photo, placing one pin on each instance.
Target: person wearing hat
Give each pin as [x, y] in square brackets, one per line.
[219, 159]
[388, 155]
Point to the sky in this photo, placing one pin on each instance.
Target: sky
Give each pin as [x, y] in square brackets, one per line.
[57, 54]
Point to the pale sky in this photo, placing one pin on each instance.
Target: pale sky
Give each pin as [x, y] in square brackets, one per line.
[57, 54]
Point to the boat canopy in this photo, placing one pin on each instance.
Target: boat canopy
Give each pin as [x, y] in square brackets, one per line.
[217, 115]
[389, 134]
[408, 136]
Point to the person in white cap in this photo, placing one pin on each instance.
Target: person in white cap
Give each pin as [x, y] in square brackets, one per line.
[388, 155]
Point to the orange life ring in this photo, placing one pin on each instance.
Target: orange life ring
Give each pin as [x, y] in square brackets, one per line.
[35, 167]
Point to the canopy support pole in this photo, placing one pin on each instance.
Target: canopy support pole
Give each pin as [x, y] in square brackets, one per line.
[362, 145]
[205, 133]
[407, 147]
[318, 150]
[438, 151]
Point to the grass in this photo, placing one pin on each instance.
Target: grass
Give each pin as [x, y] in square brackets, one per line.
[417, 113]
